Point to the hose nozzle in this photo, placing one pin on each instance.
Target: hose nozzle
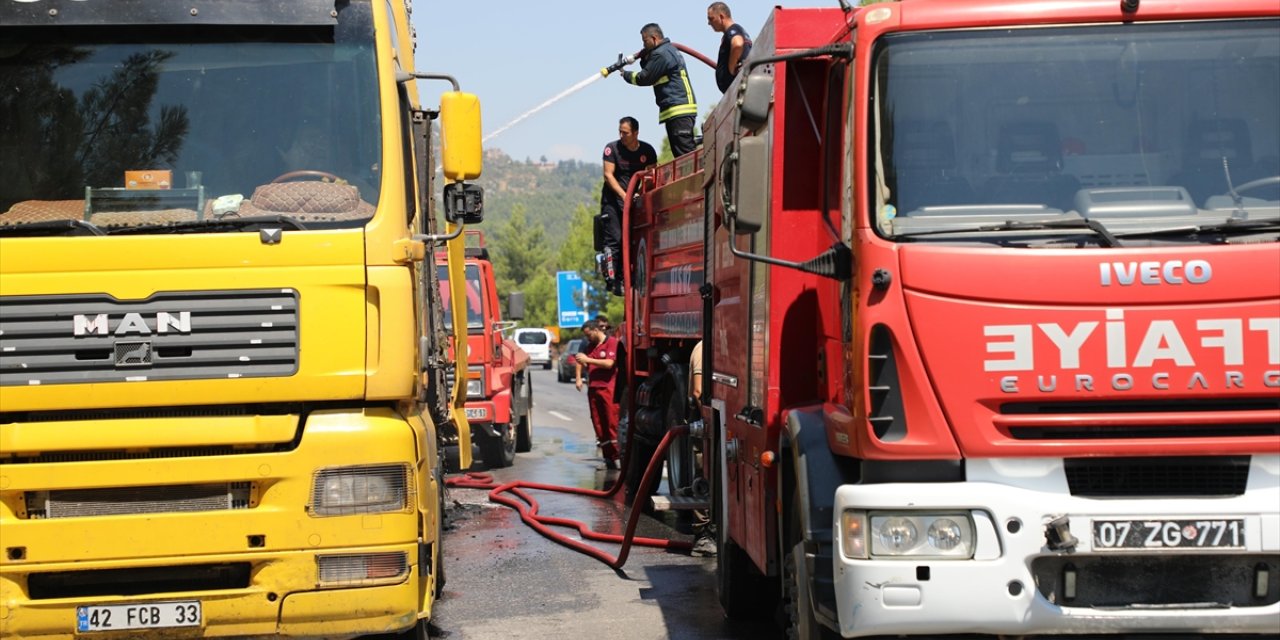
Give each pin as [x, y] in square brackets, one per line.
[623, 60]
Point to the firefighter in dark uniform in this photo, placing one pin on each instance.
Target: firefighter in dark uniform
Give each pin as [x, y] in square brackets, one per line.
[662, 67]
[622, 159]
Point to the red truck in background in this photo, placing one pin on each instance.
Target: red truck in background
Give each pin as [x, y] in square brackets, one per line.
[499, 385]
[989, 296]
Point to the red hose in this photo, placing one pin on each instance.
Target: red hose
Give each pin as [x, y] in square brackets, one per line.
[527, 507]
[694, 52]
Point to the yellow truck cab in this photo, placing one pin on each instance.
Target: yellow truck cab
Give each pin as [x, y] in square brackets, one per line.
[222, 354]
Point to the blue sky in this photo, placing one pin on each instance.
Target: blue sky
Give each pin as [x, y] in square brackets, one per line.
[516, 55]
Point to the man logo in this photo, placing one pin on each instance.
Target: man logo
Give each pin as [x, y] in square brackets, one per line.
[100, 324]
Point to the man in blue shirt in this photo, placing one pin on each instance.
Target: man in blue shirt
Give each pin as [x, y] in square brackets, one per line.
[735, 44]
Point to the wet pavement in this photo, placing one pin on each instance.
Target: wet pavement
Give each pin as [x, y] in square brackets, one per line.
[504, 580]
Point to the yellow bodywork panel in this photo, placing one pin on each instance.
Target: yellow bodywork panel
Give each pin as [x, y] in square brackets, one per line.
[458, 291]
[324, 269]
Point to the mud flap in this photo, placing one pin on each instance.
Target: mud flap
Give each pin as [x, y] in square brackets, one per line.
[815, 475]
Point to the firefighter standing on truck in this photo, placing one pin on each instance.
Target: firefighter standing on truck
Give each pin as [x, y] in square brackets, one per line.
[662, 67]
[622, 159]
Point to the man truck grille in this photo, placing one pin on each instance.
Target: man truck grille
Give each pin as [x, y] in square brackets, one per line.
[116, 501]
[176, 335]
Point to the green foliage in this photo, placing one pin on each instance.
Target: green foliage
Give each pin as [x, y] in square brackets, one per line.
[521, 262]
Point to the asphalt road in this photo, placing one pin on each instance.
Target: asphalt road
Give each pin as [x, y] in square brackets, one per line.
[504, 580]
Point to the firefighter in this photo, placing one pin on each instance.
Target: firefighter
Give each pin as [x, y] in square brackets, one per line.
[735, 44]
[622, 158]
[602, 375]
[662, 67]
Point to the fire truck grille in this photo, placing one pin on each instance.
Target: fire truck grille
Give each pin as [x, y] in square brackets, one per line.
[1157, 477]
[176, 335]
[1155, 581]
[116, 501]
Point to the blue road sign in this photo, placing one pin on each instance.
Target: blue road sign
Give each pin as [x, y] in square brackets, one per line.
[571, 299]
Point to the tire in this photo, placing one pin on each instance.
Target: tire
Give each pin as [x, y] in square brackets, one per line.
[797, 599]
[644, 450]
[524, 427]
[680, 462]
[499, 451]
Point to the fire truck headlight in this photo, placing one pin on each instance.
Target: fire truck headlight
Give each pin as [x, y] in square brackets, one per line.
[922, 535]
[853, 534]
[475, 383]
[344, 491]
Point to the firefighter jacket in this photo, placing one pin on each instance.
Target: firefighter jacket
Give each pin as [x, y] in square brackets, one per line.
[663, 69]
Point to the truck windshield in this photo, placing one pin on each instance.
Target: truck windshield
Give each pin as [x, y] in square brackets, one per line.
[475, 318]
[153, 126]
[1161, 133]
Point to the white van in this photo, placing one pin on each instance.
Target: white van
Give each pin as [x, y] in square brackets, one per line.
[536, 343]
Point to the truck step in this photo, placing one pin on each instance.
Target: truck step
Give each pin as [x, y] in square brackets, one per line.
[679, 503]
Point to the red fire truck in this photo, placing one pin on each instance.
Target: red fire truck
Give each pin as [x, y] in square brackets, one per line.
[499, 385]
[989, 296]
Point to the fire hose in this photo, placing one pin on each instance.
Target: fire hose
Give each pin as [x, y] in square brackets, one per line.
[527, 506]
[624, 60]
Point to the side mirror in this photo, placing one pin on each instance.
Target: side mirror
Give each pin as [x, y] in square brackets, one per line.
[460, 149]
[464, 202]
[515, 305]
[752, 184]
[755, 96]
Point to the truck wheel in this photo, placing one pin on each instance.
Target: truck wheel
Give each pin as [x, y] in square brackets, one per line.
[798, 600]
[524, 428]
[680, 469]
[499, 451]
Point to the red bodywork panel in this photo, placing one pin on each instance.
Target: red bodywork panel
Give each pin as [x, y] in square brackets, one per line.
[500, 356]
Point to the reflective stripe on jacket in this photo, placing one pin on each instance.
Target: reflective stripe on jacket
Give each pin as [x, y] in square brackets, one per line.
[663, 69]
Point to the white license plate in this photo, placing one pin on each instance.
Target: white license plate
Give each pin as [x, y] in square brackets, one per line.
[152, 615]
[1168, 533]
[477, 414]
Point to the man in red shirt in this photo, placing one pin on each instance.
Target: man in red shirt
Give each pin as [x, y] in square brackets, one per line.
[602, 373]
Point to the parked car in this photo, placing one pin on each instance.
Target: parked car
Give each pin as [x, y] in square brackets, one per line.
[565, 366]
[536, 343]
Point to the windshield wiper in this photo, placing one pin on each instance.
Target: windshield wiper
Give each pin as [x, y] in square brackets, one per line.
[1230, 224]
[1107, 239]
[51, 228]
[221, 224]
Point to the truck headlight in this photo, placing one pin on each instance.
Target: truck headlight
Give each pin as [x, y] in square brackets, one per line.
[341, 491]
[916, 535]
[475, 388]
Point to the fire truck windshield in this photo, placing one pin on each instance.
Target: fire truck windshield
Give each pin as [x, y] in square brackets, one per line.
[1146, 128]
[151, 126]
[475, 298]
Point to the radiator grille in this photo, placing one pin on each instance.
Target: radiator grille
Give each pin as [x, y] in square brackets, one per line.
[115, 501]
[170, 336]
[1157, 477]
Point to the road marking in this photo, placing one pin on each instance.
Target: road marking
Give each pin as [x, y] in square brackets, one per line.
[561, 416]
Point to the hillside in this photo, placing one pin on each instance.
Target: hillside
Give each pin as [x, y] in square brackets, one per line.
[549, 192]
